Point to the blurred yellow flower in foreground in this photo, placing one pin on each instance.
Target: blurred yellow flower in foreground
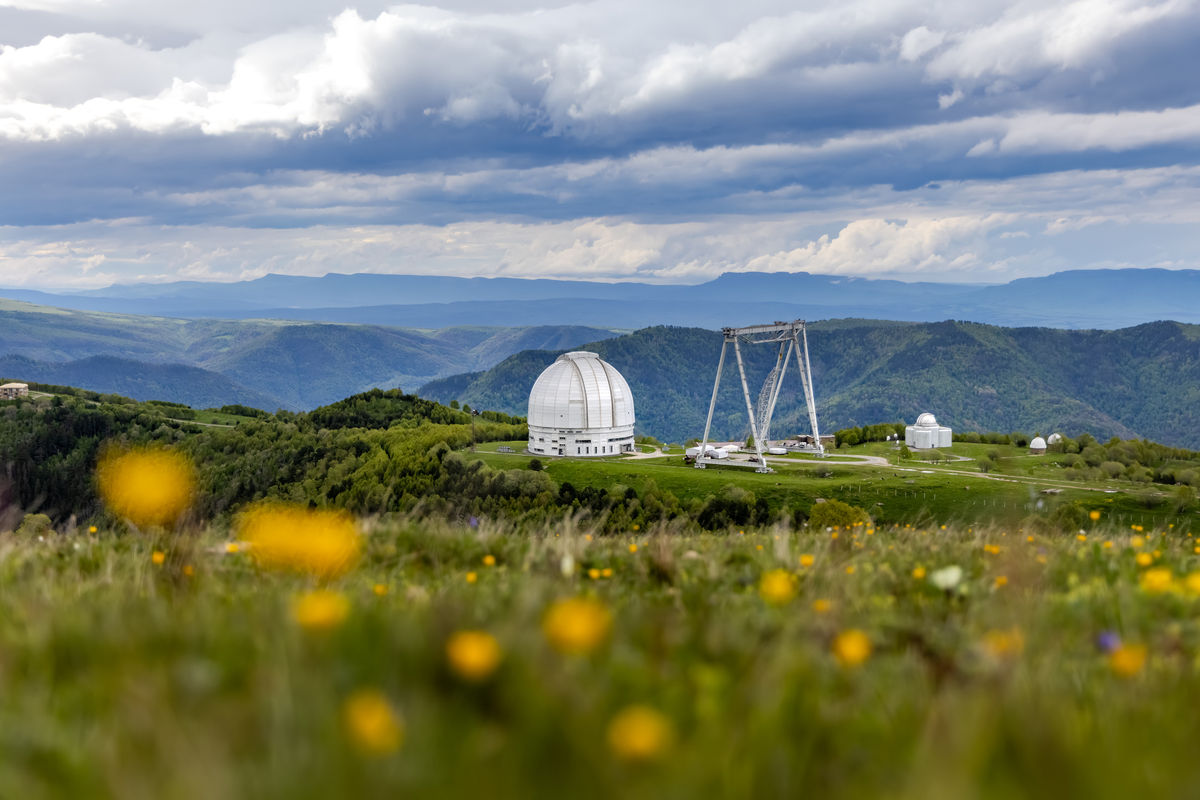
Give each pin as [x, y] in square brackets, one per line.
[1003, 645]
[158, 558]
[777, 587]
[320, 610]
[489, 560]
[1193, 583]
[807, 560]
[372, 723]
[1094, 516]
[1000, 582]
[1157, 580]
[1127, 660]
[577, 625]
[320, 542]
[851, 648]
[1144, 559]
[640, 733]
[146, 486]
[821, 605]
[919, 573]
[473, 655]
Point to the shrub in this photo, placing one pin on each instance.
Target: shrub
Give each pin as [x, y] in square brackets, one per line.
[836, 513]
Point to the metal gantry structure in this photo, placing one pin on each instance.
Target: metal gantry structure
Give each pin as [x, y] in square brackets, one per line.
[792, 338]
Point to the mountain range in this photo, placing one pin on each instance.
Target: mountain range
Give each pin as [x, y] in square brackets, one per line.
[1071, 299]
[268, 364]
[1142, 381]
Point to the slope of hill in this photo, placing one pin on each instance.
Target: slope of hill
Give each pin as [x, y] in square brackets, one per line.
[1140, 381]
[177, 383]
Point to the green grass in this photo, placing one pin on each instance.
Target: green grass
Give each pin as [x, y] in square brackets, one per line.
[125, 679]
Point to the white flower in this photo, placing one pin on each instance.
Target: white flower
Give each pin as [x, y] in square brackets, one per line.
[946, 577]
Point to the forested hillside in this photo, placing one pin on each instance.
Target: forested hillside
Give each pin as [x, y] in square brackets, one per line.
[1140, 381]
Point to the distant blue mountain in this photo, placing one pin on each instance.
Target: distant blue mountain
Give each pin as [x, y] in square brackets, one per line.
[1103, 299]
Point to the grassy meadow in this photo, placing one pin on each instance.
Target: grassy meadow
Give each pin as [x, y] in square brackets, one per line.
[873, 661]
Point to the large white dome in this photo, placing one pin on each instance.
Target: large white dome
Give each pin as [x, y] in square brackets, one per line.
[580, 405]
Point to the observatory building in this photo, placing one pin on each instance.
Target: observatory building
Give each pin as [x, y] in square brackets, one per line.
[926, 434]
[580, 406]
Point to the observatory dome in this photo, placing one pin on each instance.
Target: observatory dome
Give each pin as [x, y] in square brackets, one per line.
[1038, 445]
[927, 434]
[580, 406]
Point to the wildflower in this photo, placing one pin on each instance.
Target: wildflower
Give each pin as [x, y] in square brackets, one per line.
[1137, 542]
[850, 569]
[606, 572]
[577, 625]
[640, 733]
[1029, 538]
[320, 610]
[1108, 641]
[637, 527]
[758, 547]
[189, 571]
[594, 573]
[1144, 559]
[947, 577]
[1127, 660]
[472, 577]
[1192, 582]
[147, 486]
[1094, 516]
[919, 572]
[821, 605]
[473, 655]
[632, 547]
[777, 587]
[1108, 545]
[489, 560]
[372, 723]
[158, 558]
[807, 560]
[92, 529]
[1156, 581]
[1000, 582]
[1003, 645]
[851, 648]
[379, 589]
[321, 542]
[587, 537]
[232, 547]
[1081, 537]
[994, 549]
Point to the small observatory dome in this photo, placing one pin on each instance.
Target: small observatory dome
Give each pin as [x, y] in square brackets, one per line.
[1038, 445]
[1054, 438]
[580, 406]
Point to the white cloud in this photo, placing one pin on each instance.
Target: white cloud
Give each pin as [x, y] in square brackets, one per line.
[919, 41]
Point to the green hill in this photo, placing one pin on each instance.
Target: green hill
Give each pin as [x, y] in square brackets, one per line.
[1140, 381]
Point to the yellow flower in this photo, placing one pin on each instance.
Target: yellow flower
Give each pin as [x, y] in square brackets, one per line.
[1094, 515]
[158, 558]
[850, 569]
[851, 648]
[777, 587]
[189, 570]
[1127, 660]
[320, 610]
[632, 548]
[92, 529]
[320, 542]
[637, 527]
[821, 605]
[918, 572]
[1156, 581]
[473, 655]
[379, 589]
[232, 547]
[489, 560]
[1081, 537]
[1000, 582]
[606, 572]
[1144, 559]
[1029, 538]
[1108, 545]
[146, 486]
[1003, 645]
[472, 577]
[807, 560]
[372, 723]
[640, 733]
[576, 625]
[1137, 542]
[587, 537]
[594, 573]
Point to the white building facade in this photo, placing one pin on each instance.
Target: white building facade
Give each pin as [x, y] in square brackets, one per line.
[926, 433]
[580, 406]
[11, 391]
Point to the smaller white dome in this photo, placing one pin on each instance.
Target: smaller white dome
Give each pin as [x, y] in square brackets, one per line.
[1054, 438]
[1038, 443]
[927, 420]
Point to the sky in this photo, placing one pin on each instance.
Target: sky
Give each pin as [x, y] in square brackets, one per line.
[143, 140]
